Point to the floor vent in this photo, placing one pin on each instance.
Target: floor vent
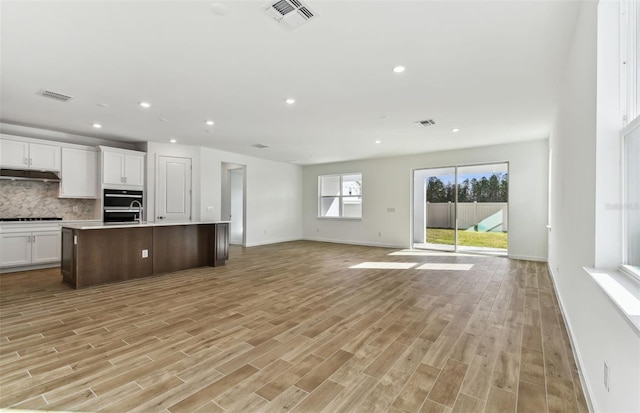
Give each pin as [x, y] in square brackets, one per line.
[427, 122]
[290, 13]
[54, 95]
[260, 146]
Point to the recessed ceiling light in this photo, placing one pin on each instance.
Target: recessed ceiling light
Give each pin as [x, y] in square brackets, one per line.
[173, 140]
[145, 105]
[103, 105]
[378, 141]
[290, 101]
[455, 130]
[164, 120]
[398, 69]
[97, 125]
[209, 122]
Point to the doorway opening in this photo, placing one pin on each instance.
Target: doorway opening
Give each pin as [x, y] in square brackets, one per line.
[462, 208]
[233, 201]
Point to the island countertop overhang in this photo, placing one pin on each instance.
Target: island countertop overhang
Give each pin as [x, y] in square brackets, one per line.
[144, 224]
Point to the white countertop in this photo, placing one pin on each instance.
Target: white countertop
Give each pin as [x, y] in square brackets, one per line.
[102, 225]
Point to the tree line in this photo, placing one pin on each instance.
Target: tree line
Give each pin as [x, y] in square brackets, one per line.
[492, 189]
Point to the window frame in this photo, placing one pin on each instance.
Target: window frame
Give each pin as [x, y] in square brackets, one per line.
[341, 196]
[630, 111]
[626, 267]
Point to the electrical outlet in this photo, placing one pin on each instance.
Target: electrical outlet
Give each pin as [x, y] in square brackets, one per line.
[145, 253]
[607, 371]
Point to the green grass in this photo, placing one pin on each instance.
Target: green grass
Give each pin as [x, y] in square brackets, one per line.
[467, 238]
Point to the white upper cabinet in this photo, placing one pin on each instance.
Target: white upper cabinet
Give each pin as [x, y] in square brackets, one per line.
[15, 153]
[121, 167]
[79, 173]
[134, 169]
[44, 157]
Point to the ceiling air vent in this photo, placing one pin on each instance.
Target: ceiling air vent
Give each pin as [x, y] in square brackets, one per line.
[54, 95]
[290, 13]
[260, 146]
[427, 122]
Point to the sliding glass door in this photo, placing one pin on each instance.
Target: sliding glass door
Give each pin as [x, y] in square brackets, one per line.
[462, 208]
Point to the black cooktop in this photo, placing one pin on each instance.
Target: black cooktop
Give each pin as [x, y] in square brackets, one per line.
[30, 219]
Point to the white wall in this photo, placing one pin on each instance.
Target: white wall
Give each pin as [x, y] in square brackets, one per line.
[599, 332]
[274, 193]
[387, 184]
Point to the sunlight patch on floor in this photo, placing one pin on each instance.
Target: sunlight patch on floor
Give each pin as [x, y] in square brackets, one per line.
[445, 266]
[431, 253]
[386, 265]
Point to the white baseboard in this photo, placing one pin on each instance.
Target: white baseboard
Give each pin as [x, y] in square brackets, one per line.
[586, 387]
[366, 244]
[29, 267]
[273, 241]
[527, 258]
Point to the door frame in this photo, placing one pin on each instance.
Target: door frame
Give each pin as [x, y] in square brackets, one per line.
[455, 167]
[225, 196]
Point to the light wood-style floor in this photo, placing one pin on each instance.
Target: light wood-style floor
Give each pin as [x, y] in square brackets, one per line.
[291, 327]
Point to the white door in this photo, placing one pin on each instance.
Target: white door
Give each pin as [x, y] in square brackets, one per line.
[236, 186]
[174, 189]
[45, 247]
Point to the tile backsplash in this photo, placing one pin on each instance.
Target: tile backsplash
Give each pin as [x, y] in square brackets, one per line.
[40, 199]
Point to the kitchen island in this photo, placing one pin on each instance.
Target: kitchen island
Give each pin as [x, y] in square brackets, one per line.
[101, 253]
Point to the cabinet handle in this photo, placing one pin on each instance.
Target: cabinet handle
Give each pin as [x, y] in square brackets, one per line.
[26, 161]
[33, 237]
[30, 161]
[125, 179]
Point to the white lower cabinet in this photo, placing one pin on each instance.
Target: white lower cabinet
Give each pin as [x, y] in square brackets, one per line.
[29, 248]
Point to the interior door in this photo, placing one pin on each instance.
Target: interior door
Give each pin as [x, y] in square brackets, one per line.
[236, 186]
[173, 189]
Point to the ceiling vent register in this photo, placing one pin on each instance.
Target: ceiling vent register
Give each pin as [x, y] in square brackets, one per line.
[54, 95]
[290, 13]
[427, 122]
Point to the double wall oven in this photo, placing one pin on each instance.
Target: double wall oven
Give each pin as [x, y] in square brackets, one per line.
[122, 205]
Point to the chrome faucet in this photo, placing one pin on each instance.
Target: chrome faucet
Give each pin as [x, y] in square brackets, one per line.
[139, 209]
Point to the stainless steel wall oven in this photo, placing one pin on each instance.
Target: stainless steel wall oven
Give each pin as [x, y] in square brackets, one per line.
[122, 205]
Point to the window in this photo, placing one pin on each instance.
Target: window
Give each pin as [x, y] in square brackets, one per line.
[631, 200]
[630, 103]
[340, 196]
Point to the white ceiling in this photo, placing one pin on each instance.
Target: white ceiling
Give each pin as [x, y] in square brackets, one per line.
[489, 68]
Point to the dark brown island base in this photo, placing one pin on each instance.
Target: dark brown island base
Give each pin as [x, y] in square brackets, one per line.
[101, 254]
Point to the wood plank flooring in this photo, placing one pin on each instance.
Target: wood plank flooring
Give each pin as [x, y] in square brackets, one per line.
[291, 327]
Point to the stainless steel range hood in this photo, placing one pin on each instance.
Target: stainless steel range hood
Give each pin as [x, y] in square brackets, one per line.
[29, 175]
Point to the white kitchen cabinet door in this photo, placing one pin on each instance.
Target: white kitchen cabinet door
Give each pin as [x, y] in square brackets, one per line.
[79, 173]
[134, 170]
[15, 249]
[44, 157]
[112, 168]
[14, 154]
[45, 247]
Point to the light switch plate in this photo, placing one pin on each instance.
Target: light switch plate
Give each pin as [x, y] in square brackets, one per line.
[145, 253]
